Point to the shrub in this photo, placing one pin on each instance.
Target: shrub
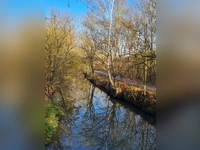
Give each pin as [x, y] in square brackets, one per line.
[51, 120]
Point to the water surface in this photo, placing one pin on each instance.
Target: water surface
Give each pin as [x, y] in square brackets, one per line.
[100, 122]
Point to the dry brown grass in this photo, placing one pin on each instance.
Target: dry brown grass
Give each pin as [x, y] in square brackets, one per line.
[127, 92]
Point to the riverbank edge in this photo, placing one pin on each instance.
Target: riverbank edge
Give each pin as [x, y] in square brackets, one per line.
[125, 92]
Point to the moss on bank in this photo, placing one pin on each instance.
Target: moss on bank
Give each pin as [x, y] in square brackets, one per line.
[128, 93]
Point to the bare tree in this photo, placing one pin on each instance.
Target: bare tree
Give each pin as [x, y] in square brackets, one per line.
[102, 10]
[126, 39]
[60, 40]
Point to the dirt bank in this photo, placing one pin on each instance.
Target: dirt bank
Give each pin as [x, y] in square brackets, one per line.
[126, 92]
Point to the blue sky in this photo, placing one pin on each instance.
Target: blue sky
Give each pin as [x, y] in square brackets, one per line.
[75, 6]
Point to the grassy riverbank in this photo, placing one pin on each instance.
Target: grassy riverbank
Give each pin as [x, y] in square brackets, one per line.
[126, 92]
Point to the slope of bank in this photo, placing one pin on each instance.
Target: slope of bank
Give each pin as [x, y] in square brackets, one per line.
[126, 92]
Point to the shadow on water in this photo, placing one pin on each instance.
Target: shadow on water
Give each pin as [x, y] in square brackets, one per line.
[146, 117]
[99, 122]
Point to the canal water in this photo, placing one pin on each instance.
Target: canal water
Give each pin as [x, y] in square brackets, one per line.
[97, 121]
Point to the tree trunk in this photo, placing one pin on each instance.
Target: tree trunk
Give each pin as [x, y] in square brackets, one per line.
[108, 71]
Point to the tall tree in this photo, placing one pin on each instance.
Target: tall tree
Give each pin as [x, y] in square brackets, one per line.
[102, 10]
[60, 40]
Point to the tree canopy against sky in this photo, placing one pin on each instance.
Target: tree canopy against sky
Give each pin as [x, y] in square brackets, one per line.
[78, 7]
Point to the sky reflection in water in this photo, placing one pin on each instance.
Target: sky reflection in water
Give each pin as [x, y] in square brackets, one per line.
[99, 122]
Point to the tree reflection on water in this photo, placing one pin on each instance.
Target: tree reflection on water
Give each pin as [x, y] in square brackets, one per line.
[99, 122]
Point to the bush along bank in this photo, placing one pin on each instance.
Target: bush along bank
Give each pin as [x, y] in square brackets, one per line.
[126, 92]
[52, 115]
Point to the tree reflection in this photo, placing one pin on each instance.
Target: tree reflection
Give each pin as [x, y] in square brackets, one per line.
[110, 126]
[63, 96]
[100, 123]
